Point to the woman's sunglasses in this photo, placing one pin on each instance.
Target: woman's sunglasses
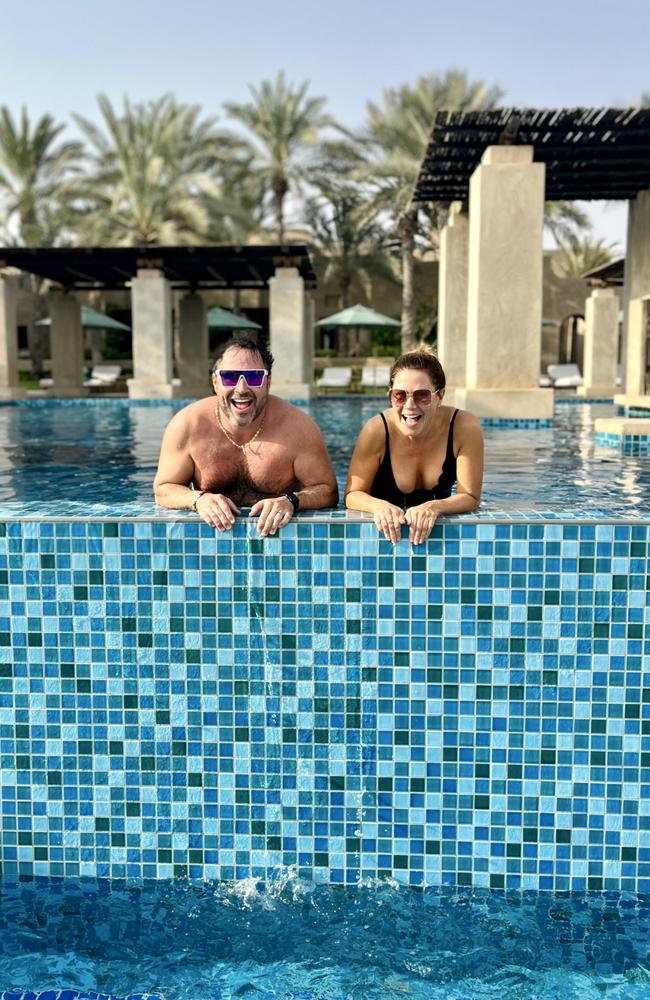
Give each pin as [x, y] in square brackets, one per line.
[421, 397]
[254, 377]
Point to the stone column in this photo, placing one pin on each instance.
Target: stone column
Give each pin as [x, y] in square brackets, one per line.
[66, 345]
[504, 296]
[600, 344]
[310, 339]
[152, 337]
[292, 338]
[636, 348]
[452, 299]
[637, 286]
[9, 387]
[191, 347]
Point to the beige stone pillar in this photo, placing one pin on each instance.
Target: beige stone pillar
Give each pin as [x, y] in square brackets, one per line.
[600, 344]
[635, 354]
[152, 337]
[452, 299]
[504, 294]
[636, 288]
[66, 345]
[292, 335]
[191, 347]
[9, 387]
[310, 338]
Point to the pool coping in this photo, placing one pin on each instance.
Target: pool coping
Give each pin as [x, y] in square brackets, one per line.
[337, 518]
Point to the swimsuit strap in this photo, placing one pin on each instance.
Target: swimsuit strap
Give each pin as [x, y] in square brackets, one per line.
[386, 431]
[450, 437]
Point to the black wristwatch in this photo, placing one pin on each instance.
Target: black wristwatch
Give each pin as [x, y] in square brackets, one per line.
[293, 499]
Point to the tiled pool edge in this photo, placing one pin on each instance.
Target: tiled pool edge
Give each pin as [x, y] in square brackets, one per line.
[475, 713]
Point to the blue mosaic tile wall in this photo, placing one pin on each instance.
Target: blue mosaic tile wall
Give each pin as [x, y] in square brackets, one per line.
[175, 703]
[628, 444]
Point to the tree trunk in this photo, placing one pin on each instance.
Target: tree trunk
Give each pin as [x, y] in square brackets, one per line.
[280, 187]
[407, 241]
[344, 289]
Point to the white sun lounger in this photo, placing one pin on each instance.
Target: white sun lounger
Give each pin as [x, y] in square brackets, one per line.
[565, 376]
[335, 378]
[103, 376]
[375, 377]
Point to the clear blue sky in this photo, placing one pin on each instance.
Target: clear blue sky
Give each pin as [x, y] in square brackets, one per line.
[56, 57]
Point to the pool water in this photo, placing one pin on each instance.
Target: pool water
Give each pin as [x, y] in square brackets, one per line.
[295, 940]
[104, 455]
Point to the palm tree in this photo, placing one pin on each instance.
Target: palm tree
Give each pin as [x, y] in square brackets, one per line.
[395, 139]
[565, 221]
[33, 168]
[579, 255]
[284, 123]
[349, 242]
[154, 174]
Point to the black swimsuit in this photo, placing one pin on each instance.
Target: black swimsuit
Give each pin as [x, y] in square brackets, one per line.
[384, 486]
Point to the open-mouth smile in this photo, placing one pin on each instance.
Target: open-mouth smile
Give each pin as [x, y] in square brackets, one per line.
[241, 403]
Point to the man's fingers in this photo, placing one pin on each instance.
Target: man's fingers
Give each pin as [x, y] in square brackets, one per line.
[219, 512]
[273, 514]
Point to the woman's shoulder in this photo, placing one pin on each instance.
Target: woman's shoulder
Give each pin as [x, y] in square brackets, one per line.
[467, 427]
[376, 426]
[373, 432]
[462, 418]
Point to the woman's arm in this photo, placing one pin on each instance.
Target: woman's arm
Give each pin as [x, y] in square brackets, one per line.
[469, 467]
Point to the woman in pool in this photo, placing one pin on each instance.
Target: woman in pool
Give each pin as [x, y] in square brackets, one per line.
[408, 458]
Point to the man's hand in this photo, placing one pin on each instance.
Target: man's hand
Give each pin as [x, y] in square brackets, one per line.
[273, 513]
[389, 520]
[420, 520]
[217, 510]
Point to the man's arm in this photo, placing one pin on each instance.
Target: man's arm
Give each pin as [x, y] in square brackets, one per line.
[175, 468]
[313, 469]
[175, 472]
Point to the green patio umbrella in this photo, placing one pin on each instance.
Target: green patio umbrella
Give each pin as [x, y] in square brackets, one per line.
[358, 318]
[223, 319]
[91, 319]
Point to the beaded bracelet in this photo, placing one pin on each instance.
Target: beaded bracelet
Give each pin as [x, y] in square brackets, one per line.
[197, 500]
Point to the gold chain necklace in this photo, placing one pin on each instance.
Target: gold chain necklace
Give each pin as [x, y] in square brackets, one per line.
[242, 447]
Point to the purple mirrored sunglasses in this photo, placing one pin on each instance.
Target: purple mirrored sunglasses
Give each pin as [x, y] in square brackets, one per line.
[254, 377]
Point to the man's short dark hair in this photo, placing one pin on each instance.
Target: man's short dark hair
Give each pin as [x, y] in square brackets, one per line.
[245, 344]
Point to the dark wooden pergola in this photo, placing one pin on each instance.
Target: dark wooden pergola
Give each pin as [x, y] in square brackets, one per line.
[192, 267]
[589, 154]
[612, 274]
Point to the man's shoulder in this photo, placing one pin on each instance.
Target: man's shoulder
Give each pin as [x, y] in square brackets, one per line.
[284, 414]
[192, 415]
[197, 409]
[281, 409]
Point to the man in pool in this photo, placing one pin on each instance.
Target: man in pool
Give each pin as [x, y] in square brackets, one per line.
[251, 449]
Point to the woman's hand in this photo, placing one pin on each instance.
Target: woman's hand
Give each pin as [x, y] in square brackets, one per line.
[389, 520]
[420, 520]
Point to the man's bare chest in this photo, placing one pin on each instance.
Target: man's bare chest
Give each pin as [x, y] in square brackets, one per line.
[263, 467]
